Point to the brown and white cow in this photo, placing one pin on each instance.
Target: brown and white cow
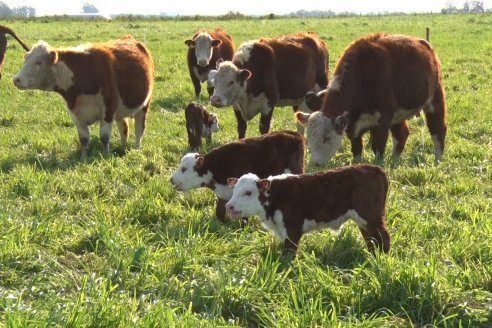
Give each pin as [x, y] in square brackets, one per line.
[291, 205]
[199, 124]
[4, 30]
[270, 72]
[380, 81]
[269, 154]
[204, 49]
[99, 82]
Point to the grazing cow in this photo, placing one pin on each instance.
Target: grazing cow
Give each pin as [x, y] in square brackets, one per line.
[204, 49]
[99, 82]
[380, 82]
[4, 30]
[270, 72]
[270, 154]
[199, 124]
[291, 205]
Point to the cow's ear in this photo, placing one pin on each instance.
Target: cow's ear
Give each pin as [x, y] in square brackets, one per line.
[199, 162]
[264, 185]
[53, 56]
[302, 117]
[190, 43]
[218, 62]
[216, 42]
[245, 74]
[341, 123]
[212, 118]
[232, 182]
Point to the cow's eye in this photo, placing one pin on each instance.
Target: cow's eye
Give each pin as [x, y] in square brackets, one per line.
[247, 193]
[183, 169]
[37, 63]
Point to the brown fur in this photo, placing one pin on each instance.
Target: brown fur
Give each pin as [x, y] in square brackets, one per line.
[383, 73]
[196, 117]
[325, 196]
[4, 30]
[225, 51]
[284, 68]
[269, 154]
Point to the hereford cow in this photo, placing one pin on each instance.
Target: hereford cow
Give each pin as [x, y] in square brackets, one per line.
[270, 154]
[199, 124]
[380, 82]
[99, 82]
[291, 205]
[270, 72]
[204, 49]
[4, 30]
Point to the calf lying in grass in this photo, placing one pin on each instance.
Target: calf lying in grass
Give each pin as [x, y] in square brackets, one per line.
[270, 154]
[291, 205]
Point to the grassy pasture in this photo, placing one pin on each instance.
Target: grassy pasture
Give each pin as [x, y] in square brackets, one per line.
[109, 243]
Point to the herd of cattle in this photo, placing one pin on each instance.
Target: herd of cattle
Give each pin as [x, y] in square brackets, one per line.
[380, 82]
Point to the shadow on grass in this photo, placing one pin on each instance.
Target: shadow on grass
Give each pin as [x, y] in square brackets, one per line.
[51, 162]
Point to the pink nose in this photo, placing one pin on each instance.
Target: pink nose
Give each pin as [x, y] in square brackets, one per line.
[216, 101]
[202, 62]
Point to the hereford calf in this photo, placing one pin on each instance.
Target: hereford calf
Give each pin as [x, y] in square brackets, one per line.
[270, 72]
[380, 81]
[4, 30]
[204, 49]
[270, 154]
[291, 205]
[199, 124]
[102, 82]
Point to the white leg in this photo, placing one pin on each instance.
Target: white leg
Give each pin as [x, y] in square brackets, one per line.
[105, 134]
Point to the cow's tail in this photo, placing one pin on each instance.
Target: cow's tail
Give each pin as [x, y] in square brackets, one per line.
[5, 30]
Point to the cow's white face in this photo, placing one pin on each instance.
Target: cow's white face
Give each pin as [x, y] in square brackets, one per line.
[203, 44]
[245, 197]
[215, 123]
[324, 135]
[230, 84]
[186, 176]
[38, 72]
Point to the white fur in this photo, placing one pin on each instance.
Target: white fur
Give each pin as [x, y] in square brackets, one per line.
[64, 76]
[203, 49]
[89, 108]
[365, 122]
[186, 177]
[201, 77]
[335, 84]
[395, 144]
[243, 53]
[312, 225]
[251, 105]
[225, 92]
[322, 138]
[401, 115]
[241, 204]
[276, 225]
[223, 191]
[437, 147]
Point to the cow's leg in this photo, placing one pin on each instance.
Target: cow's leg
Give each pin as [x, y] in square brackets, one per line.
[376, 235]
[265, 121]
[140, 123]
[379, 137]
[435, 115]
[400, 134]
[105, 134]
[220, 209]
[122, 125]
[83, 131]
[241, 124]
[292, 241]
[356, 144]
[196, 84]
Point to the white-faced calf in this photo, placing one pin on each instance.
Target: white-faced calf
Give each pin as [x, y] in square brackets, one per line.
[200, 124]
[291, 205]
[270, 154]
[100, 82]
[380, 82]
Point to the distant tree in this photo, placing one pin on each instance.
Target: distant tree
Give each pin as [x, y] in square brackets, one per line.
[5, 10]
[24, 11]
[89, 8]
[475, 6]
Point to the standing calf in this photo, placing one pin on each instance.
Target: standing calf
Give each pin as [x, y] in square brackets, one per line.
[269, 154]
[102, 82]
[380, 82]
[291, 205]
[199, 123]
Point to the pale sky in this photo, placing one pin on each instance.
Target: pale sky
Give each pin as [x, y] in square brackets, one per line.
[220, 7]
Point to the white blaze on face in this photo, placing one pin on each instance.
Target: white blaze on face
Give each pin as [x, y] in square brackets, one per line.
[186, 177]
[322, 137]
[245, 198]
[215, 123]
[38, 70]
[228, 85]
[203, 48]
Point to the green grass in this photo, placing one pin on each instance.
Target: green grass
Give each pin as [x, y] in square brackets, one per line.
[108, 242]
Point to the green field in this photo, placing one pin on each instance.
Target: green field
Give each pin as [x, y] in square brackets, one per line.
[107, 242]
